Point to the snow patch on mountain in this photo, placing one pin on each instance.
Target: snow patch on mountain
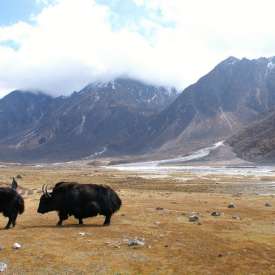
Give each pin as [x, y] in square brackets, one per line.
[270, 65]
[80, 128]
[96, 154]
[196, 155]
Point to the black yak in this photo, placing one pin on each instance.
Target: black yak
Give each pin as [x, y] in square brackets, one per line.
[11, 203]
[80, 200]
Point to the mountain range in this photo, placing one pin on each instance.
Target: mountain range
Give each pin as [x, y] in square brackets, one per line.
[101, 118]
[128, 117]
[234, 94]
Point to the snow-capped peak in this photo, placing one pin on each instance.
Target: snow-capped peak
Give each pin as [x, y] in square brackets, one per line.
[270, 65]
[104, 84]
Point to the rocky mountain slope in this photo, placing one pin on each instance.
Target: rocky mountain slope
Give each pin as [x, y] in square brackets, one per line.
[128, 117]
[101, 118]
[228, 98]
[257, 141]
[20, 111]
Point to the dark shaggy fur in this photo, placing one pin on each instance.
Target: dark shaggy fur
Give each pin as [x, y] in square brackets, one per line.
[81, 201]
[11, 203]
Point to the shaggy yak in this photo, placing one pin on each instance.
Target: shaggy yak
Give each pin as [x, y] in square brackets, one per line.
[80, 200]
[11, 203]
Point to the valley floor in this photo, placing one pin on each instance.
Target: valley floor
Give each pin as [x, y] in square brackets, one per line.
[155, 208]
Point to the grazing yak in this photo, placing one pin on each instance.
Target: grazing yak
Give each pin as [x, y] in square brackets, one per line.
[11, 203]
[80, 200]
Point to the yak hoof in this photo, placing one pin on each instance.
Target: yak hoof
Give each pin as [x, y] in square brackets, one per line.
[107, 221]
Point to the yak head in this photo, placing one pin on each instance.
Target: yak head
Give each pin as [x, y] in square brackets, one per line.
[47, 202]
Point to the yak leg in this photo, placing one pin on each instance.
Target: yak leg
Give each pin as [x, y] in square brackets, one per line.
[62, 217]
[78, 214]
[9, 223]
[107, 219]
[14, 220]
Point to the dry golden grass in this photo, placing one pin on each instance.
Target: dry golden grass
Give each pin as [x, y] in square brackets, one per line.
[173, 245]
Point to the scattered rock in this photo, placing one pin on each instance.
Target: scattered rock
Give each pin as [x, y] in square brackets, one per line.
[16, 246]
[193, 218]
[166, 245]
[113, 244]
[19, 177]
[82, 234]
[159, 208]
[267, 204]
[216, 214]
[231, 205]
[220, 255]
[3, 267]
[157, 223]
[236, 217]
[136, 242]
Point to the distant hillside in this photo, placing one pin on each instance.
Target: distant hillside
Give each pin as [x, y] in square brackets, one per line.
[256, 142]
[125, 117]
[103, 118]
[222, 102]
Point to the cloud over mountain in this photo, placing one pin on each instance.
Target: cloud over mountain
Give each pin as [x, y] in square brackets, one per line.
[73, 42]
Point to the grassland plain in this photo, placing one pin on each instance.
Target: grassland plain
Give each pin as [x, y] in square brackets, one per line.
[154, 208]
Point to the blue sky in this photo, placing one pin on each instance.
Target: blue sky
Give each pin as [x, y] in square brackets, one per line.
[124, 12]
[59, 46]
[15, 10]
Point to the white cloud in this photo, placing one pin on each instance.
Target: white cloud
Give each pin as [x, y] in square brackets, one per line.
[44, 2]
[139, 2]
[72, 42]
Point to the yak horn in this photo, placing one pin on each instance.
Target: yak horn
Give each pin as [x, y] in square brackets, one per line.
[43, 191]
[47, 194]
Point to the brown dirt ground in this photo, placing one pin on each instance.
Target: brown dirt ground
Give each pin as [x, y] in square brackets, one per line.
[173, 245]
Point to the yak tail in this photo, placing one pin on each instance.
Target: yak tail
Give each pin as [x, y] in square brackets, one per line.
[20, 204]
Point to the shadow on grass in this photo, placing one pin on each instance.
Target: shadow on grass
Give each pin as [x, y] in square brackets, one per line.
[64, 226]
[82, 226]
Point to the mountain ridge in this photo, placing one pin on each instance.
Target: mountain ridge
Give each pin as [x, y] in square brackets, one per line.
[97, 117]
[128, 117]
[219, 104]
